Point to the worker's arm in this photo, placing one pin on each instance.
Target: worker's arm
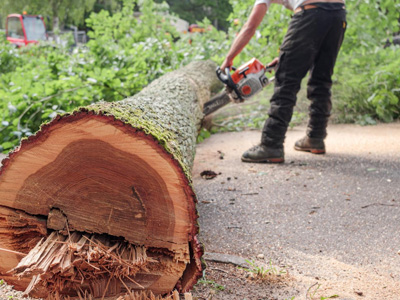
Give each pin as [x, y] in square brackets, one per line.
[245, 34]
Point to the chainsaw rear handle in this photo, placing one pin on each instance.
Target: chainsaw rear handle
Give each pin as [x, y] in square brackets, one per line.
[224, 77]
[227, 79]
[270, 68]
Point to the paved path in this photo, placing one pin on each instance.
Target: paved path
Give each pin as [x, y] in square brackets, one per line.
[332, 219]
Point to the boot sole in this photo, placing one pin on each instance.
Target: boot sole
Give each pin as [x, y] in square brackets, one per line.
[265, 161]
[313, 151]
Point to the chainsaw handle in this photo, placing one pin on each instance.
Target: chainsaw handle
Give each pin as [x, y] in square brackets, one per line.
[224, 77]
[269, 68]
[227, 80]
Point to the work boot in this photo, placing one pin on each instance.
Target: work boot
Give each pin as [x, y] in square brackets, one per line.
[264, 154]
[313, 145]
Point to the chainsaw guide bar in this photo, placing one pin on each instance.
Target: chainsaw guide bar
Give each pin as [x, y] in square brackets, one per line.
[218, 101]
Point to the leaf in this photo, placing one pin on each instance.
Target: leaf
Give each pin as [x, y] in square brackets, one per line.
[92, 80]
[11, 108]
[7, 145]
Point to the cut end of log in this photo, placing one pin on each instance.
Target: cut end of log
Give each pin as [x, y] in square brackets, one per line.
[98, 175]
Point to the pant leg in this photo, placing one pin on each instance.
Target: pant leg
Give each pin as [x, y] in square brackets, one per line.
[299, 50]
[320, 82]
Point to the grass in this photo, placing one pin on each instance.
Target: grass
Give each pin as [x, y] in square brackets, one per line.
[211, 283]
[261, 271]
[310, 295]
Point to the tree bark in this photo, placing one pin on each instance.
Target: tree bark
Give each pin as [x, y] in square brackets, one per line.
[93, 189]
[55, 6]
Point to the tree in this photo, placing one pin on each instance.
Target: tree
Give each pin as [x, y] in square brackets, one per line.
[217, 11]
[58, 11]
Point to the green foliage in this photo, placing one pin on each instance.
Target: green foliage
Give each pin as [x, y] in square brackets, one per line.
[269, 36]
[367, 74]
[370, 24]
[211, 44]
[203, 134]
[45, 82]
[9, 57]
[368, 86]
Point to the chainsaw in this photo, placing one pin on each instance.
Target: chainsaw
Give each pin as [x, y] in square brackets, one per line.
[242, 84]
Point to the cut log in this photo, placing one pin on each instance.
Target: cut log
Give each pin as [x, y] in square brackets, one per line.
[102, 197]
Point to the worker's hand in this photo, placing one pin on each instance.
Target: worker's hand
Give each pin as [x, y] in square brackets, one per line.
[273, 64]
[226, 64]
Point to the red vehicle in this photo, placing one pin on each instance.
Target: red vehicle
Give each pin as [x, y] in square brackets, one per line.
[24, 29]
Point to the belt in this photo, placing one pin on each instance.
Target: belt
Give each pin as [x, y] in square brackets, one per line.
[305, 7]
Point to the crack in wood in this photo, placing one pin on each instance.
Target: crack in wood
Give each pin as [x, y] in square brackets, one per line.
[137, 196]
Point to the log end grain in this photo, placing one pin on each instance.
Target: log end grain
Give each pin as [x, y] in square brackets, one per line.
[96, 174]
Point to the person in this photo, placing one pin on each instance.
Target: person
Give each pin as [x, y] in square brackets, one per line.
[312, 43]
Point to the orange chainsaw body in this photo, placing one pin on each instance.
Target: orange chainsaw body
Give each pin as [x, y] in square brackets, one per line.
[249, 79]
[254, 66]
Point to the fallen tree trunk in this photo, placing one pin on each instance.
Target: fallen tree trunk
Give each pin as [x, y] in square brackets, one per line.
[101, 199]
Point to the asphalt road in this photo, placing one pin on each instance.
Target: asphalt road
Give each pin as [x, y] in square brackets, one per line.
[332, 219]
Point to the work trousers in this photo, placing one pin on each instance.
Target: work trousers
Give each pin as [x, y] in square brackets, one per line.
[312, 43]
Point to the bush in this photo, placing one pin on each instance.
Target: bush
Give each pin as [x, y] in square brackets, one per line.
[368, 86]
